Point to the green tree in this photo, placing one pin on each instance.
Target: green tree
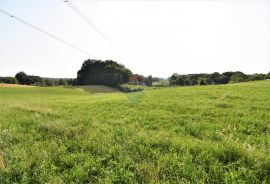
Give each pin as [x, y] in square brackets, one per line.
[180, 81]
[48, 82]
[62, 82]
[173, 79]
[149, 80]
[97, 72]
[238, 77]
[187, 82]
[215, 78]
[202, 81]
[267, 76]
[21, 78]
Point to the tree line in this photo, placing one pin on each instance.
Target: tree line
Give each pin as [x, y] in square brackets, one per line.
[8, 80]
[24, 79]
[214, 78]
[111, 73]
[92, 72]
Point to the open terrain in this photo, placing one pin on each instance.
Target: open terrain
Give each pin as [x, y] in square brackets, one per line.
[200, 134]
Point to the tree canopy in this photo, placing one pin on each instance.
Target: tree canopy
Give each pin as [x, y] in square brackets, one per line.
[97, 72]
[28, 79]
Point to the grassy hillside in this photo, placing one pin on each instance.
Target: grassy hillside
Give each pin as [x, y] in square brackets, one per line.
[204, 134]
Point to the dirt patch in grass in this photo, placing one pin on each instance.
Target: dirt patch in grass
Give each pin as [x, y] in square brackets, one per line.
[14, 86]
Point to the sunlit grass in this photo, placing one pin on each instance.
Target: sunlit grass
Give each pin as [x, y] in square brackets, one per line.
[201, 134]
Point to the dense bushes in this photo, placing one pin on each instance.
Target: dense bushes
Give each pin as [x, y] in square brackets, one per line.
[97, 72]
[214, 78]
[130, 88]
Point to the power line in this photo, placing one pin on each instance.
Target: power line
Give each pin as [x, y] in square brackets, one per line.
[90, 23]
[45, 32]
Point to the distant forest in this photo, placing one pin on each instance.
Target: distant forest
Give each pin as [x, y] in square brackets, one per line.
[24, 79]
[111, 73]
[214, 78]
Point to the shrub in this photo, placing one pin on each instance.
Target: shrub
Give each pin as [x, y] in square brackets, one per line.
[130, 88]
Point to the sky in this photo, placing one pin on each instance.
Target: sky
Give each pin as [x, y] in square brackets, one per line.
[150, 37]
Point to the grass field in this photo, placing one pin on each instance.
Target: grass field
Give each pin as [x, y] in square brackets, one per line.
[202, 134]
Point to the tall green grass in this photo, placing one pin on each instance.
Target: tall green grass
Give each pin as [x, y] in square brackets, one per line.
[202, 134]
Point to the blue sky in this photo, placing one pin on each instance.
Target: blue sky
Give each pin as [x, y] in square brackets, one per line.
[151, 37]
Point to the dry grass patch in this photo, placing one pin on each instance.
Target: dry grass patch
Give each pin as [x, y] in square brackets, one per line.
[14, 86]
[2, 163]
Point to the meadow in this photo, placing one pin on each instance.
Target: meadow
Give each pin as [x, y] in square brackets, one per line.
[94, 134]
